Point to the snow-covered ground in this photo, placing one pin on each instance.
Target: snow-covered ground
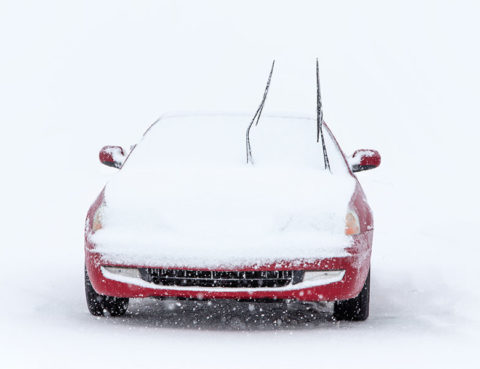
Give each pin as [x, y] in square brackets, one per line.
[400, 77]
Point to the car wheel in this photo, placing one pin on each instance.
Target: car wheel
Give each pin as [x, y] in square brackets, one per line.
[355, 309]
[98, 304]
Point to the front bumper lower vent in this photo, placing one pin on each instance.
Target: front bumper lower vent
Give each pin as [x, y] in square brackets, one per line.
[231, 279]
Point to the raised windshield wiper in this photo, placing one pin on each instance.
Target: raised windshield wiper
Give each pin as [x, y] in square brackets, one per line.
[320, 122]
[257, 116]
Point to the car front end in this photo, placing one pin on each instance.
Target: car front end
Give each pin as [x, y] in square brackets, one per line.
[173, 224]
[327, 279]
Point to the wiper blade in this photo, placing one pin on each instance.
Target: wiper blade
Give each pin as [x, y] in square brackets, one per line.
[257, 116]
[320, 122]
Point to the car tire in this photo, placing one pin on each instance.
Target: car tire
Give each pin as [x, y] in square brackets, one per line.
[98, 304]
[355, 309]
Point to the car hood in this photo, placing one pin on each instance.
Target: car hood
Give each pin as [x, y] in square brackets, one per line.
[206, 217]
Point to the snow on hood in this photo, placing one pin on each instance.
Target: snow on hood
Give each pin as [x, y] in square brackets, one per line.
[186, 197]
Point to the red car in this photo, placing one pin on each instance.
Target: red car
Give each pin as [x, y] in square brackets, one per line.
[187, 217]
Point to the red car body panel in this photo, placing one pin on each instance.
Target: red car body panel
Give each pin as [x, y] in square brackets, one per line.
[356, 266]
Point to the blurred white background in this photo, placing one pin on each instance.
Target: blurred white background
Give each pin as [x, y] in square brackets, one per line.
[401, 77]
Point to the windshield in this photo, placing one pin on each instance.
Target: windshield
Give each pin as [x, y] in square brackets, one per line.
[216, 141]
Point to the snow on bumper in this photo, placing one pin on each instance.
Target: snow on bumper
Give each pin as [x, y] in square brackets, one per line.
[351, 272]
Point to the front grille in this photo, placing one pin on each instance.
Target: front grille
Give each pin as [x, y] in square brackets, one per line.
[232, 279]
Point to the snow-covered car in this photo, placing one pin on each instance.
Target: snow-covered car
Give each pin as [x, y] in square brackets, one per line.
[186, 216]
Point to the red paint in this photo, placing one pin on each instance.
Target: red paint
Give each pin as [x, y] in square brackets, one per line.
[369, 158]
[106, 155]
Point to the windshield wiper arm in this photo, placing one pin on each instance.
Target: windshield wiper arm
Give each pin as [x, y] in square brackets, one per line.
[257, 116]
[320, 122]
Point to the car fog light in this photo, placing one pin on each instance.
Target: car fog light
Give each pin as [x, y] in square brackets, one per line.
[329, 276]
[121, 271]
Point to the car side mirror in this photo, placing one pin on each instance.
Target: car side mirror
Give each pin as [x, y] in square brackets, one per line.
[364, 160]
[112, 156]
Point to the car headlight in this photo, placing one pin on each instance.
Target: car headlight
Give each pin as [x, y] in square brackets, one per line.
[352, 225]
[97, 219]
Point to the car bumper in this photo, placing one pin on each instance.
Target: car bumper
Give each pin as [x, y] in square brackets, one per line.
[347, 283]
